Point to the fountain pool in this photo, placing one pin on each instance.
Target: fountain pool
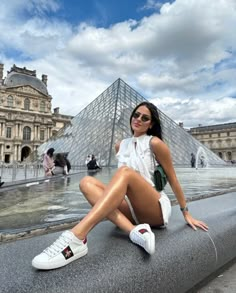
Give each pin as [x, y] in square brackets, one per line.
[57, 201]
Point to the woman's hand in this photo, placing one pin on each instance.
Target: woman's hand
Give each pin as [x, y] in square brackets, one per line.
[194, 223]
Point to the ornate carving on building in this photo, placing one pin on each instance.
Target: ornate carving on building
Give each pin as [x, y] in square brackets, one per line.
[221, 139]
[26, 118]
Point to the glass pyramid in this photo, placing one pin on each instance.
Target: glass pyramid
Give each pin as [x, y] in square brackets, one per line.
[97, 128]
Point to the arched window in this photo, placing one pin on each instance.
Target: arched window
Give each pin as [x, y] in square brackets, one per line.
[26, 133]
[27, 104]
[229, 156]
[220, 155]
[42, 106]
[10, 101]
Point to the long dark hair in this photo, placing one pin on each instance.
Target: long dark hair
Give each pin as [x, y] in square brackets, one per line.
[60, 160]
[50, 152]
[155, 130]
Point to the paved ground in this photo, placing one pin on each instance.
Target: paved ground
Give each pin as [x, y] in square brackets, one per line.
[224, 282]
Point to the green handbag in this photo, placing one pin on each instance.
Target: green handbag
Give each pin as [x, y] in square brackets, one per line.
[160, 178]
[159, 175]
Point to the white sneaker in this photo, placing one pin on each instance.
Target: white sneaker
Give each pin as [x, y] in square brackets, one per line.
[143, 236]
[64, 250]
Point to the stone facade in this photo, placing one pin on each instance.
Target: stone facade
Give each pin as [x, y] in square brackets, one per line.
[221, 139]
[26, 118]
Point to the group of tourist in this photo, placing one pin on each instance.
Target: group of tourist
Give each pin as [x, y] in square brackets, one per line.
[59, 165]
[130, 199]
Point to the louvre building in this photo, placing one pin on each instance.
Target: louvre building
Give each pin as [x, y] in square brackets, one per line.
[26, 119]
[97, 128]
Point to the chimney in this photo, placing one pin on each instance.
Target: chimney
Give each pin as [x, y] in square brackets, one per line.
[56, 110]
[1, 72]
[45, 79]
[181, 124]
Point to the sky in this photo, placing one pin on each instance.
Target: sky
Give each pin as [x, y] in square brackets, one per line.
[180, 55]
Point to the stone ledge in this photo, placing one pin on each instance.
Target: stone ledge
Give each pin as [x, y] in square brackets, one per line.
[183, 257]
[34, 180]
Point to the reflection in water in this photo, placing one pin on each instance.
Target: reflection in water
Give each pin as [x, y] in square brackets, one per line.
[62, 200]
[93, 172]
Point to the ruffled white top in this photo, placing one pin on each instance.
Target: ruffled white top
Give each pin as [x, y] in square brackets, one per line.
[135, 153]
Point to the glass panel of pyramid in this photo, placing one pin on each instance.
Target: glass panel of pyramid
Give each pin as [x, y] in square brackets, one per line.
[105, 121]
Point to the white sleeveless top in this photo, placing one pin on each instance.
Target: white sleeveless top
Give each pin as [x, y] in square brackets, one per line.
[135, 152]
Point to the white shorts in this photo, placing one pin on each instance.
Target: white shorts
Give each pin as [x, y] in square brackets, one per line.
[165, 208]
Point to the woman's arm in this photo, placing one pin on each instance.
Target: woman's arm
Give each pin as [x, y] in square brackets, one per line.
[163, 156]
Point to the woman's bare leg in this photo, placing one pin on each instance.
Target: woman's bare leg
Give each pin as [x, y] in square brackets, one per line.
[141, 194]
[93, 190]
[107, 200]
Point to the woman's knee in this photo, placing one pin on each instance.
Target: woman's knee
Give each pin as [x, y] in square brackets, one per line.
[124, 170]
[85, 182]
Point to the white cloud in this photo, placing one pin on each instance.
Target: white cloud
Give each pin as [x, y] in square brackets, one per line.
[185, 52]
[151, 4]
[197, 111]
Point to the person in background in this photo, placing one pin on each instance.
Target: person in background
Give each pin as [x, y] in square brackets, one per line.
[92, 164]
[88, 159]
[130, 199]
[60, 165]
[1, 182]
[48, 162]
[68, 165]
[193, 160]
[202, 161]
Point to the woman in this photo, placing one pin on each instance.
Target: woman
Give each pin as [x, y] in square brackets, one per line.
[48, 162]
[60, 165]
[130, 197]
[92, 164]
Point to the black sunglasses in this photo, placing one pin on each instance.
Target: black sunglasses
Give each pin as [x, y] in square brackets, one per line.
[144, 117]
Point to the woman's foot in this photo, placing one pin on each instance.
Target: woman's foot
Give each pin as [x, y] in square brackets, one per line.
[63, 251]
[143, 236]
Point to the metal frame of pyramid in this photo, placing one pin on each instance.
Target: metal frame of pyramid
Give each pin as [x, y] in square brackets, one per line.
[105, 121]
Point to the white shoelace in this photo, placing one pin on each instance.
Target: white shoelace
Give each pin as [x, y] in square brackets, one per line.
[58, 245]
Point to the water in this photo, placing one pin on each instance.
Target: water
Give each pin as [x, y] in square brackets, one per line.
[61, 200]
[201, 158]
